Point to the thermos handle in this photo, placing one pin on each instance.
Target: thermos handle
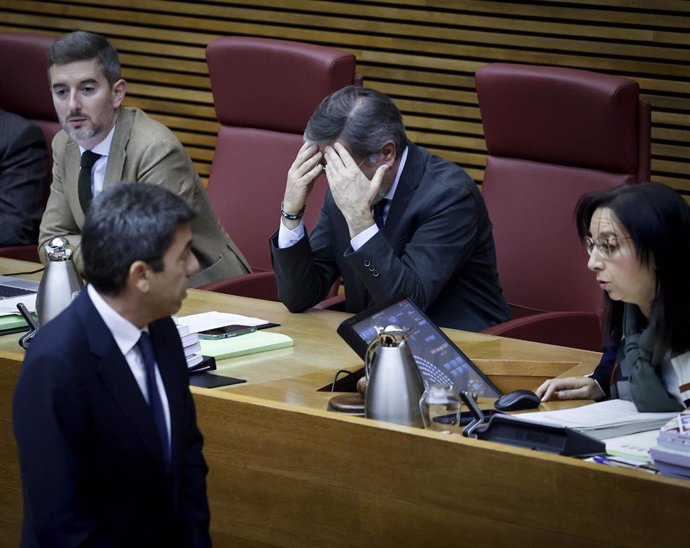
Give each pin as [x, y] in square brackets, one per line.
[421, 409]
[369, 356]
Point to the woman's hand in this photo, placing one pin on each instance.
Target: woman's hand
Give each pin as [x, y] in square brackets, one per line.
[570, 388]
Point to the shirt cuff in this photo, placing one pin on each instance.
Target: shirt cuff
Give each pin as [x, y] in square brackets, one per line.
[603, 392]
[288, 237]
[363, 237]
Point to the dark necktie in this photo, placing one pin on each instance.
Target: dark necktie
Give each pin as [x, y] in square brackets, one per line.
[154, 396]
[88, 158]
[378, 209]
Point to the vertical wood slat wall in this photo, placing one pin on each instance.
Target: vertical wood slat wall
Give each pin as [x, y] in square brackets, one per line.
[422, 53]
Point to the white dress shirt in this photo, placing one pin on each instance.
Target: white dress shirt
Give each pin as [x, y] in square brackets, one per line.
[99, 167]
[126, 335]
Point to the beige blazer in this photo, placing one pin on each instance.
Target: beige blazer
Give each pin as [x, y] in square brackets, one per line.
[142, 151]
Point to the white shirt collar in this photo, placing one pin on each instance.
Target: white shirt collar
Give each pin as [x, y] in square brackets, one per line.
[389, 195]
[125, 333]
[102, 148]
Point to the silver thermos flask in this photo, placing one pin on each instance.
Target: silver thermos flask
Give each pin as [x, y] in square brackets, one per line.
[60, 282]
[394, 385]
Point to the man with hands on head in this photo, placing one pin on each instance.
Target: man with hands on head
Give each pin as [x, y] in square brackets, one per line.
[396, 220]
[354, 193]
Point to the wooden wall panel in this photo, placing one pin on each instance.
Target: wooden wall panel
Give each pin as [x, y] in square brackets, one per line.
[422, 53]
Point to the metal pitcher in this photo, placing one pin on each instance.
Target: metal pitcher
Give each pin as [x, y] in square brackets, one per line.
[60, 282]
[394, 383]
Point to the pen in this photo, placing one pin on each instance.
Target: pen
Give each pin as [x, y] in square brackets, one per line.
[619, 464]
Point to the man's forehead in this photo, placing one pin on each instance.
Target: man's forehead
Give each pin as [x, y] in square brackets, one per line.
[322, 146]
[80, 71]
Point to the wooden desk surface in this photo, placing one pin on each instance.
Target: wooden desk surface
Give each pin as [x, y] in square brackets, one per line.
[293, 375]
[285, 472]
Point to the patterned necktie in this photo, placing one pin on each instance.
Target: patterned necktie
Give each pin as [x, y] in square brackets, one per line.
[377, 209]
[88, 159]
[154, 396]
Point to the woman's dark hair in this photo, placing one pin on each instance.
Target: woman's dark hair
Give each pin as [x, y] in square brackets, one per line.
[657, 219]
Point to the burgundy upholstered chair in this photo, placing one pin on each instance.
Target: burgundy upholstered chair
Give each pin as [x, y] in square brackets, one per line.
[264, 92]
[552, 135]
[25, 91]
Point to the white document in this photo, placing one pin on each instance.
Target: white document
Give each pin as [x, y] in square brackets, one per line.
[9, 306]
[602, 420]
[211, 320]
[634, 446]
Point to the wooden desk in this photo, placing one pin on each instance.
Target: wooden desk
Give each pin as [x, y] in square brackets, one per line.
[285, 472]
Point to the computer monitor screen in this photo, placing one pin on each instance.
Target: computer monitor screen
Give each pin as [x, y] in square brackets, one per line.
[438, 359]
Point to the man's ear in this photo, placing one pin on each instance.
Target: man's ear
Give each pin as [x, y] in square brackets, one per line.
[138, 276]
[389, 153]
[119, 90]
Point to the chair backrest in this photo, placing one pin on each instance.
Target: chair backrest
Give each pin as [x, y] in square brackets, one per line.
[552, 135]
[264, 92]
[25, 90]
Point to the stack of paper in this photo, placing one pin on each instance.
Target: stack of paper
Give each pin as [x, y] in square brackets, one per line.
[603, 420]
[672, 454]
[191, 346]
[230, 347]
[634, 447]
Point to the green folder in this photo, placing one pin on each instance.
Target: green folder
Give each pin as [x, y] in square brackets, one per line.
[251, 343]
[12, 323]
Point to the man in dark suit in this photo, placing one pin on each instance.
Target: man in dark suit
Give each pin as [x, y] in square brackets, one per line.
[109, 450]
[23, 176]
[396, 220]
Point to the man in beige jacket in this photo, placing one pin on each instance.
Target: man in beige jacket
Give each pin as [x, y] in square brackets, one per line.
[114, 143]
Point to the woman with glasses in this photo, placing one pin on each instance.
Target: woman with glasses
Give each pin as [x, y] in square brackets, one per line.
[638, 240]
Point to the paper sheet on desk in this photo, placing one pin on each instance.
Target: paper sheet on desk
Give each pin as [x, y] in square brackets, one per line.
[211, 320]
[634, 446]
[602, 420]
[9, 306]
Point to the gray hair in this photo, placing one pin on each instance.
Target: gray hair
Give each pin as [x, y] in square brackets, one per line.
[82, 46]
[128, 222]
[364, 118]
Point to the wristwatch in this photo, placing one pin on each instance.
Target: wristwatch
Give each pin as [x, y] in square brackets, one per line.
[292, 216]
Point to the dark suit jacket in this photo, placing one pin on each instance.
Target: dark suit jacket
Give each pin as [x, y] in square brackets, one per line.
[91, 462]
[142, 151]
[23, 179]
[436, 248]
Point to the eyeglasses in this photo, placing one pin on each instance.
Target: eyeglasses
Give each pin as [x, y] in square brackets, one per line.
[606, 248]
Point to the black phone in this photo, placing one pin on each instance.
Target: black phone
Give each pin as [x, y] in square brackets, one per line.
[227, 331]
